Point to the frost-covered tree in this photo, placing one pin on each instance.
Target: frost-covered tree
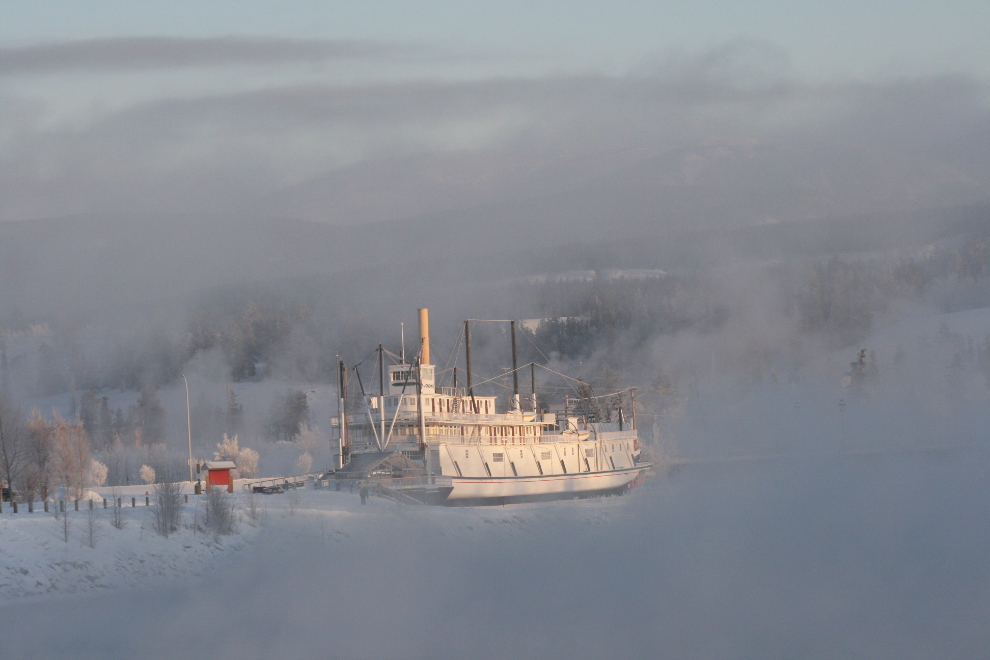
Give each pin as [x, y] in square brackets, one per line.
[245, 458]
[72, 459]
[97, 474]
[310, 439]
[147, 474]
[304, 462]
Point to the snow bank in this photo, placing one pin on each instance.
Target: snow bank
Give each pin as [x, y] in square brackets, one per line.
[37, 560]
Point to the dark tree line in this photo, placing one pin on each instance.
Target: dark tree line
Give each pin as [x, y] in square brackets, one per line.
[282, 331]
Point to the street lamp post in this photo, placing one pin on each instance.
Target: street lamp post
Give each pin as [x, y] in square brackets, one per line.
[188, 428]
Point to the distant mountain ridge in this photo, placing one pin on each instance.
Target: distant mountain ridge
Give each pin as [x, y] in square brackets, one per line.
[85, 264]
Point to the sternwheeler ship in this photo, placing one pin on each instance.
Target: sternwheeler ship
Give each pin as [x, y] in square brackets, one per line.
[449, 445]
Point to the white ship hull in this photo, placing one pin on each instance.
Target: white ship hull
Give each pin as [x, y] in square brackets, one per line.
[558, 486]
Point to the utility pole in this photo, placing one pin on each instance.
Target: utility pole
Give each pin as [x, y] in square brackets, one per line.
[188, 428]
[342, 440]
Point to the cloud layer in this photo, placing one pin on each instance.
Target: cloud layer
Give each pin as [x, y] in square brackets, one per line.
[137, 53]
[84, 133]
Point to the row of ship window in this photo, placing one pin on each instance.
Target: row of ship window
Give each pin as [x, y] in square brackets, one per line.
[436, 405]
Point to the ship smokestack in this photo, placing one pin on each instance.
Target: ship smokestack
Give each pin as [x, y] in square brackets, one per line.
[424, 336]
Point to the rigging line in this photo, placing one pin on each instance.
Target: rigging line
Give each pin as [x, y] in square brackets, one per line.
[446, 366]
[453, 353]
[565, 376]
[503, 375]
[549, 361]
[365, 358]
[605, 396]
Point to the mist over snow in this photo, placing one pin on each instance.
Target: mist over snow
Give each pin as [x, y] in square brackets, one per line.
[809, 558]
[772, 226]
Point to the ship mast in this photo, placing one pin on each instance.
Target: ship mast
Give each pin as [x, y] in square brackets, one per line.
[515, 370]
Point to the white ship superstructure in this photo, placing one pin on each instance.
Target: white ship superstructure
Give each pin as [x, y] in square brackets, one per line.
[471, 452]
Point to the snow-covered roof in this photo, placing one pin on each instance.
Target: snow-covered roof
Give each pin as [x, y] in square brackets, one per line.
[220, 465]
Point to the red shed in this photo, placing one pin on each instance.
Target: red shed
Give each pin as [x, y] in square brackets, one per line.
[218, 474]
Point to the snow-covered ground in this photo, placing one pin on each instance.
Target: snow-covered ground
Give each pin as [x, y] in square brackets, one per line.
[38, 562]
[815, 558]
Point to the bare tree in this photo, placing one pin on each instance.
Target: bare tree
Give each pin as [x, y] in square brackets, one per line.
[11, 441]
[62, 521]
[118, 515]
[93, 529]
[218, 512]
[253, 512]
[167, 502]
[293, 500]
[37, 474]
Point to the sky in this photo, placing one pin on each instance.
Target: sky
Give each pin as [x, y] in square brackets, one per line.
[230, 107]
[820, 41]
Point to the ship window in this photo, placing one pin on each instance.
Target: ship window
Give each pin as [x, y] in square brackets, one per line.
[545, 456]
[520, 453]
[465, 453]
[498, 457]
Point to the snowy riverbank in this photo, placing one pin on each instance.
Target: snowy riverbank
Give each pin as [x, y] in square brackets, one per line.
[38, 562]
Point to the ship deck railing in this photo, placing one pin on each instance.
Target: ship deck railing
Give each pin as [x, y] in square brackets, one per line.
[405, 442]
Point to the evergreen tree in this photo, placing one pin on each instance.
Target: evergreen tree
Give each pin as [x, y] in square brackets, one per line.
[105, 432]
[235, 414]
[151, 415]
[88, 412]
